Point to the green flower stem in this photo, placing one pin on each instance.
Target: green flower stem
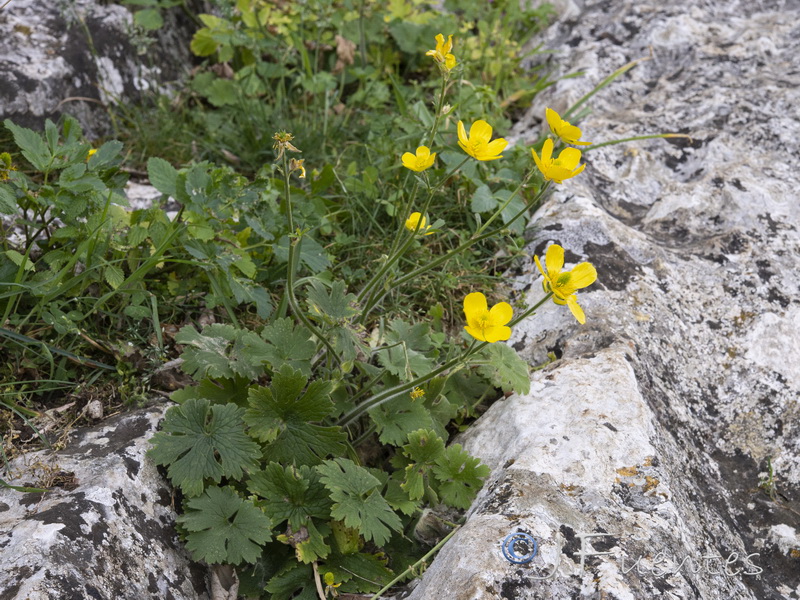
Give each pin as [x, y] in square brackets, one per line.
[621, 71]
[636, 138]
[414, 568]
[531, 310]
[439, 106]
[386, 395]
[500, 210]
[293, 252]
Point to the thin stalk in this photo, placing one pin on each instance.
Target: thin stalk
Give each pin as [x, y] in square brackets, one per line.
[293, 253]
[439, 106]
[393, 392]
[414, 568]
[637, 138]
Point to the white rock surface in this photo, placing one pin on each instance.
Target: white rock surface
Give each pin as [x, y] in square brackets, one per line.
[105, 531]
[655, 424]
[79, 57]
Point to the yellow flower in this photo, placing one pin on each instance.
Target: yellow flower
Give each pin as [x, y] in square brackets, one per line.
[297, 165]
[419, 162]
[477, 145]
[484, 324]
[417, 393]
[283, 142]
[561, 168]
[568, 133]
[564, 285]
[442, 55]
[413, 219]
[91, 153]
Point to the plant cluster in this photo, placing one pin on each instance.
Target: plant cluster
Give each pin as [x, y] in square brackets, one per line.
[326, 292]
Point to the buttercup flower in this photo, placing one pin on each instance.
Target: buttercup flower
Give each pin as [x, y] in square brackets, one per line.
[413, 219]
[477, 145]
[283, 142]
[561, 168]
[417, 393]
[484, 324]
[568, 133]
[564, 285]
[419, 162]
[297, 165]
[442, 54]
[91, 153]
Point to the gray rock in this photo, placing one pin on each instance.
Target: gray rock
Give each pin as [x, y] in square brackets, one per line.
[105, 531]
[79, 57]
[655, 426]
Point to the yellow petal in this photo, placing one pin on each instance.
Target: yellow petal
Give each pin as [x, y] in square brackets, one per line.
[583, 275]
[553, 120]
[547, 150]
[577, 311]
[476, 333]
[538, 264]
[496, 147]
[462, 135]
[474, 303]
[423, 152]
[450, 62]
[569, 158]
[501, 313]
[409, 161]
[448, 46]
[480, 131]
[537, 160]
[554, 260]
[497, 334]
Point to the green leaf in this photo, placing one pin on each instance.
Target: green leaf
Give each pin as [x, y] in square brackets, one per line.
[19, 259]
[506, 369]
[406, 355]
[222, 92]
[293, 494]
[196, 445]
[483, 200]
[163, 176]
[357, 500]
[288, 345]
[32, 145]
[114, 276]
[333, 307]
[203, 43]
[398, 498]
[220, 391]
[367, 570]
[398, 417]
[311, 253]
[308, 543]
[293, 578]
[8, 200]
[424, 448]
[149, 19]
[282, 416]
[224, 528]
[105, 155]
[460, 476]
[222, 351]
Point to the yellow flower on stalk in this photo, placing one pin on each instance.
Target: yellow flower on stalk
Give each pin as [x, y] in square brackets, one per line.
[419, 162]
[561, 168]
[568, 133]
[484, 324]
[477, 145]
[283, 142]
[91, 153]
[297, 165]
[564, 285]
[417, 218]
[441, 54]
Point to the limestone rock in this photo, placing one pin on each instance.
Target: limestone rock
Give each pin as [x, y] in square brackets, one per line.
[105, 531]
[656, 426]
[79, 57]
